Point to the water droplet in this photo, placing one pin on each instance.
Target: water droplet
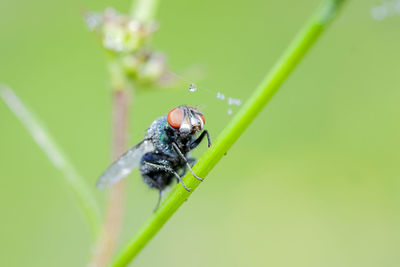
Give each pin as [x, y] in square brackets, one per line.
[192, 87]
[385, 10]
[229, 111]
[234, 101]
[220, 96]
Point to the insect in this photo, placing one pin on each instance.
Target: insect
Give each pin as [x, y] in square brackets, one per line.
[163, 154]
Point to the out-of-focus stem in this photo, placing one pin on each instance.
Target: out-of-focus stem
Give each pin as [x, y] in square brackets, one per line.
[45, 141]
[143, 11]
[108, 239]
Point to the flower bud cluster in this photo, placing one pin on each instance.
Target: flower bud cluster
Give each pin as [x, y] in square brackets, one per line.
[127, 39]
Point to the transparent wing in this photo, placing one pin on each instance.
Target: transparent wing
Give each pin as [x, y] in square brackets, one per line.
[125, 164]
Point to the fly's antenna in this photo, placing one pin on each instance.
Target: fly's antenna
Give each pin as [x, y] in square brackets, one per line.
[229, 101]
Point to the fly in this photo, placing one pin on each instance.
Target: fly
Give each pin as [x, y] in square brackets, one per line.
[163, 154]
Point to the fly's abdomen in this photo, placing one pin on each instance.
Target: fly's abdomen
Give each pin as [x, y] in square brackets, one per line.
[155, 170]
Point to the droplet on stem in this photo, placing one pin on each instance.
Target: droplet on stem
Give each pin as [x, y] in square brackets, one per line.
[234, 101]
[192, 87]
[220, 96]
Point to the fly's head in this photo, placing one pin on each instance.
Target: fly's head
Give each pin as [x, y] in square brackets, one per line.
[186, 120]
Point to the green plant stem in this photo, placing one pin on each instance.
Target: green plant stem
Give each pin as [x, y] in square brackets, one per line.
[45, 141]
[236, 127]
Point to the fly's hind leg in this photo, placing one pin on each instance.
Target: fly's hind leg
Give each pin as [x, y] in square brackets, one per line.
[170, 170]
[160, 193]
[156, 185]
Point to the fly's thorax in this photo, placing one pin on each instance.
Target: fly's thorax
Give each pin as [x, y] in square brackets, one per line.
[156, 133]
[157, 127]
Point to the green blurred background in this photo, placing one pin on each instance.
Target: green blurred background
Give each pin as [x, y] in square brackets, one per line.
[313, 182]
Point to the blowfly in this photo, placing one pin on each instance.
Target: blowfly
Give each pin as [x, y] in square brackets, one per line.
[162, 155]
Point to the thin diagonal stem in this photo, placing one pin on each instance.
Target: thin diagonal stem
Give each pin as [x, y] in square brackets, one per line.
[45, 141]
[261, 96]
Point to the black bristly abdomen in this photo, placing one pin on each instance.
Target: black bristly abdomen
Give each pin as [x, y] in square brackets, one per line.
[155, 169]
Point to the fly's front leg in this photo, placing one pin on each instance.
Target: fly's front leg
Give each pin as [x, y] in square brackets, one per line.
[196, 142]
[175, 146]
[170, 170]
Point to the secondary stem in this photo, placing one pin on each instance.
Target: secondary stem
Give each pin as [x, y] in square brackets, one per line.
[116, 196]
[60, 161]
[121, 95]
[293, 55]
[143, 11]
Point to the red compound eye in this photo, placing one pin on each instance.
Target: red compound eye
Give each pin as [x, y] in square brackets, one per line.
[202, 116]
[203, 119]
[175, 117]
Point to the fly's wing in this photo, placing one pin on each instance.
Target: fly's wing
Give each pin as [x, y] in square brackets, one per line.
[125, 164]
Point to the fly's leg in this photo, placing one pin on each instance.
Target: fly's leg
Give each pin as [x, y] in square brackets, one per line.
[186, 161]
[196, 142]
[170, 170]
[159, 200]
[160, 192]
[191, 161]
